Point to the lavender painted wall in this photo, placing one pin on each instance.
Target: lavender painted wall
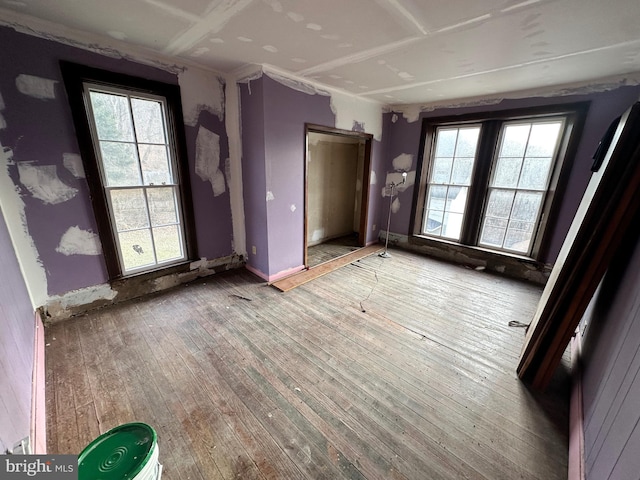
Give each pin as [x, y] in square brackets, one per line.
[17, 330]
[404, 137]
[41, 130]
[214, 229]
[286, 111]
[611, 370]
[253, 174]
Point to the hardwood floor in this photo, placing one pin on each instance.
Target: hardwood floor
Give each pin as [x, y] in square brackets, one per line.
[398, 368]
[327, 251]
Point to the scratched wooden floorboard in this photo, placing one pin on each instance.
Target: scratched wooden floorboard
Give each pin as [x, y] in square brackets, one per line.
[243, 381]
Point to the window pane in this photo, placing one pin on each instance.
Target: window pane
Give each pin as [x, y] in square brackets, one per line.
[155, 164]
[507, 172]
[129, 209]
[467, 142]
[543, 139]
[441, 170]
[535, 172]
[168, 243]
[451, 174]
[112, 117]
[136, 249]
[120, 164]
[452, 225]
[462, 169]
[514, 140]
[433, 225]
[518, 236]
[147, 115]
[493, 232]
[525, 206]
[457, 199]
[436, 198]
[499, 204]
[446, 142]
[162, 206]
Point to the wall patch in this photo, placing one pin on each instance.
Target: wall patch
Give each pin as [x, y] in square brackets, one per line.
[37, 87]
[73, 163]
[208, 160]
[76, 241]
[196, 85]
[43, 183]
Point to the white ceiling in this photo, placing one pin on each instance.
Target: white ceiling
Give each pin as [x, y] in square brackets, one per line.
[393, 51]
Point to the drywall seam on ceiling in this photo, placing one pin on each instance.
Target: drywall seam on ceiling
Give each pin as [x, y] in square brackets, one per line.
[411, 113]
[176, 12]
[398, 10]
[507, 68]
[99, 44]
[234, 136]
[212, 22]
[12, 207]
[360, 56]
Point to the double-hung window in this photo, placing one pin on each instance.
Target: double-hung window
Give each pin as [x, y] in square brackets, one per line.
[129, 131]
[489, 180]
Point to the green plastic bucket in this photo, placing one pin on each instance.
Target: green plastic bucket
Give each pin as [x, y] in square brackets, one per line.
[126, 452]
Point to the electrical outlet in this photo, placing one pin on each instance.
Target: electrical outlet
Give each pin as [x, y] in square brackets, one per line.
[373, 229]
[253, 249]
[23, 447]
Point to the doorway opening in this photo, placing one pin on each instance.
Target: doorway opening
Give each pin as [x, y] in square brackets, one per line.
[337, 170]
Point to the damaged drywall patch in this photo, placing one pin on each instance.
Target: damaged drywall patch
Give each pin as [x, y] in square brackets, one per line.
[36, 87]
[13, 207]
[317, 235]
[59, 306]
[270, 196]
[351, 111]
[43, 183]
[76, 241]
[196, 85]
[208, 160]
[403, 162]
[373, 179]
[73, 163]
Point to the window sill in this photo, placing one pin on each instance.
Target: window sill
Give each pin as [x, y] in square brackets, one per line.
[512, 265]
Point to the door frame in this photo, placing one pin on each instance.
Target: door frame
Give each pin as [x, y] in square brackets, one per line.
[366, 175]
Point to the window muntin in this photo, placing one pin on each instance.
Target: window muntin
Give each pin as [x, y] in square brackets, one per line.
[520, 177]
[449, 180]
[136, 161]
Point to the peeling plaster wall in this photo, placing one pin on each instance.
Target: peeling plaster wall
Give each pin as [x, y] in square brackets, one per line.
[16, 346]
[404, 139]
[44, 178]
